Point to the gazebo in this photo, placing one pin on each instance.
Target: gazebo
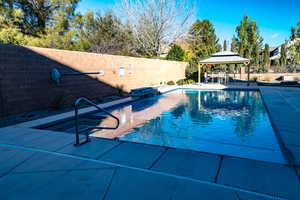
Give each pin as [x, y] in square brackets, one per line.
[223, 57]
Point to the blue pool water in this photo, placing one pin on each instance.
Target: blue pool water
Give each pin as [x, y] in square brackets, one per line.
[227, 122]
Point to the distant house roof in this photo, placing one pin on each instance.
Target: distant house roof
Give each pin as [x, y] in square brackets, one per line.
[225, 53]
[225, 57]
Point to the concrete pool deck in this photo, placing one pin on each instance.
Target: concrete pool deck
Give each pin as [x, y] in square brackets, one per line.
[41, 164]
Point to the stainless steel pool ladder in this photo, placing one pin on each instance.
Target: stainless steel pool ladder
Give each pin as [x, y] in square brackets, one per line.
[87, 139]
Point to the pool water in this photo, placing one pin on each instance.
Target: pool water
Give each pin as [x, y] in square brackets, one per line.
[225, 122]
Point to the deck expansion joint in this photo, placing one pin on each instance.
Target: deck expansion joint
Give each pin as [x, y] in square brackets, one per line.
[110, 183]
[228, 187]
[219, 169]
[109, 150]
[158, 158]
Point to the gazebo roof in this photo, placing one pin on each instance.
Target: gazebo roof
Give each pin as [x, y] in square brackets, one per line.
[225, 57]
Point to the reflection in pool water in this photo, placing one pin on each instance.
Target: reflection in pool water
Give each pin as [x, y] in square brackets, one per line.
[225, 122]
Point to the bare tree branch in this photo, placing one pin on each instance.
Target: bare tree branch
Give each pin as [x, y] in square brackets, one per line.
[157, 23]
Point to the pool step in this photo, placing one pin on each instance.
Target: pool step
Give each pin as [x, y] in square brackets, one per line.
[69, 126]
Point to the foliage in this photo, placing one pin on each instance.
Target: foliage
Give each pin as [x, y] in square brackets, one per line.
[225, 45]
[38, 15]
[202, 42]
[188, 54]
[155, 24]
[266, 58]
[185, 81]
[295, 52]
[295, 31]
[170, 83]
[255, 78]
[120, 90]
[202, 39]
[58, 101]
[12, 36]
[248, 41]
[283, 56]
[294, 49]
[106, 34]
[175, 53]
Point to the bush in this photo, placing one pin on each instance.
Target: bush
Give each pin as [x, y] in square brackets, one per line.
[255, 78]
[190, 81]
[120, 90]
[170, 83]
[185, 81]
[175, 53]
[180, 82]
[58, 101]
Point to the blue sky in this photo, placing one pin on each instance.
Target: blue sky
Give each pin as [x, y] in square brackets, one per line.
[274, 17]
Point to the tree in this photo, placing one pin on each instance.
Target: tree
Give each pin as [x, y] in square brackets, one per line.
[108, 35]
[295, 31]
[155, 24]
[266, 58]
[38, 14]
[283, 56]
[294, 48]
[295, 53]
[202, 39]
[234, 47]
[249, 41]
[202, 42]
[175, 53]
[225, 46]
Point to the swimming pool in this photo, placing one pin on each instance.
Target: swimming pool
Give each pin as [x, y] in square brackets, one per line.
[226, 122]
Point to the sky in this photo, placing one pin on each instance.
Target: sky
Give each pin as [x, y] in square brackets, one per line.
[275, 18]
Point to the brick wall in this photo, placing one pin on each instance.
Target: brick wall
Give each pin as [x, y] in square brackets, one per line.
[25, 83]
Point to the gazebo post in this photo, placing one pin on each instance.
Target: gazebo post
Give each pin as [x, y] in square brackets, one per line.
[199, 73]
[248, 76]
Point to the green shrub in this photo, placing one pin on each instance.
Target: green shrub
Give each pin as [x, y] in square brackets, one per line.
[120, 90]
[175, 53]
[180, 82]
[190, 81]
[255, 78]
[170, 83]
[185, 81]
[58, 101]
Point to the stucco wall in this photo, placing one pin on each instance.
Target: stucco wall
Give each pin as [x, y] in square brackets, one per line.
[25, 83]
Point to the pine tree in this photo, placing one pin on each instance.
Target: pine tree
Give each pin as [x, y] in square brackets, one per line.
[283, 56]
[249, 42]
[266, 58]
[234, 44]
[295, 31]
[175, 53]
[202, 39]
[202, 42]
[225, 45]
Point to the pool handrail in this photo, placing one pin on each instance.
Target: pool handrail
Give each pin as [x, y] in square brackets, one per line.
[76, 107]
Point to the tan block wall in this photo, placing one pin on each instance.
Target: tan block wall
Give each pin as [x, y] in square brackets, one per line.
[25, 83]
[139, 72]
